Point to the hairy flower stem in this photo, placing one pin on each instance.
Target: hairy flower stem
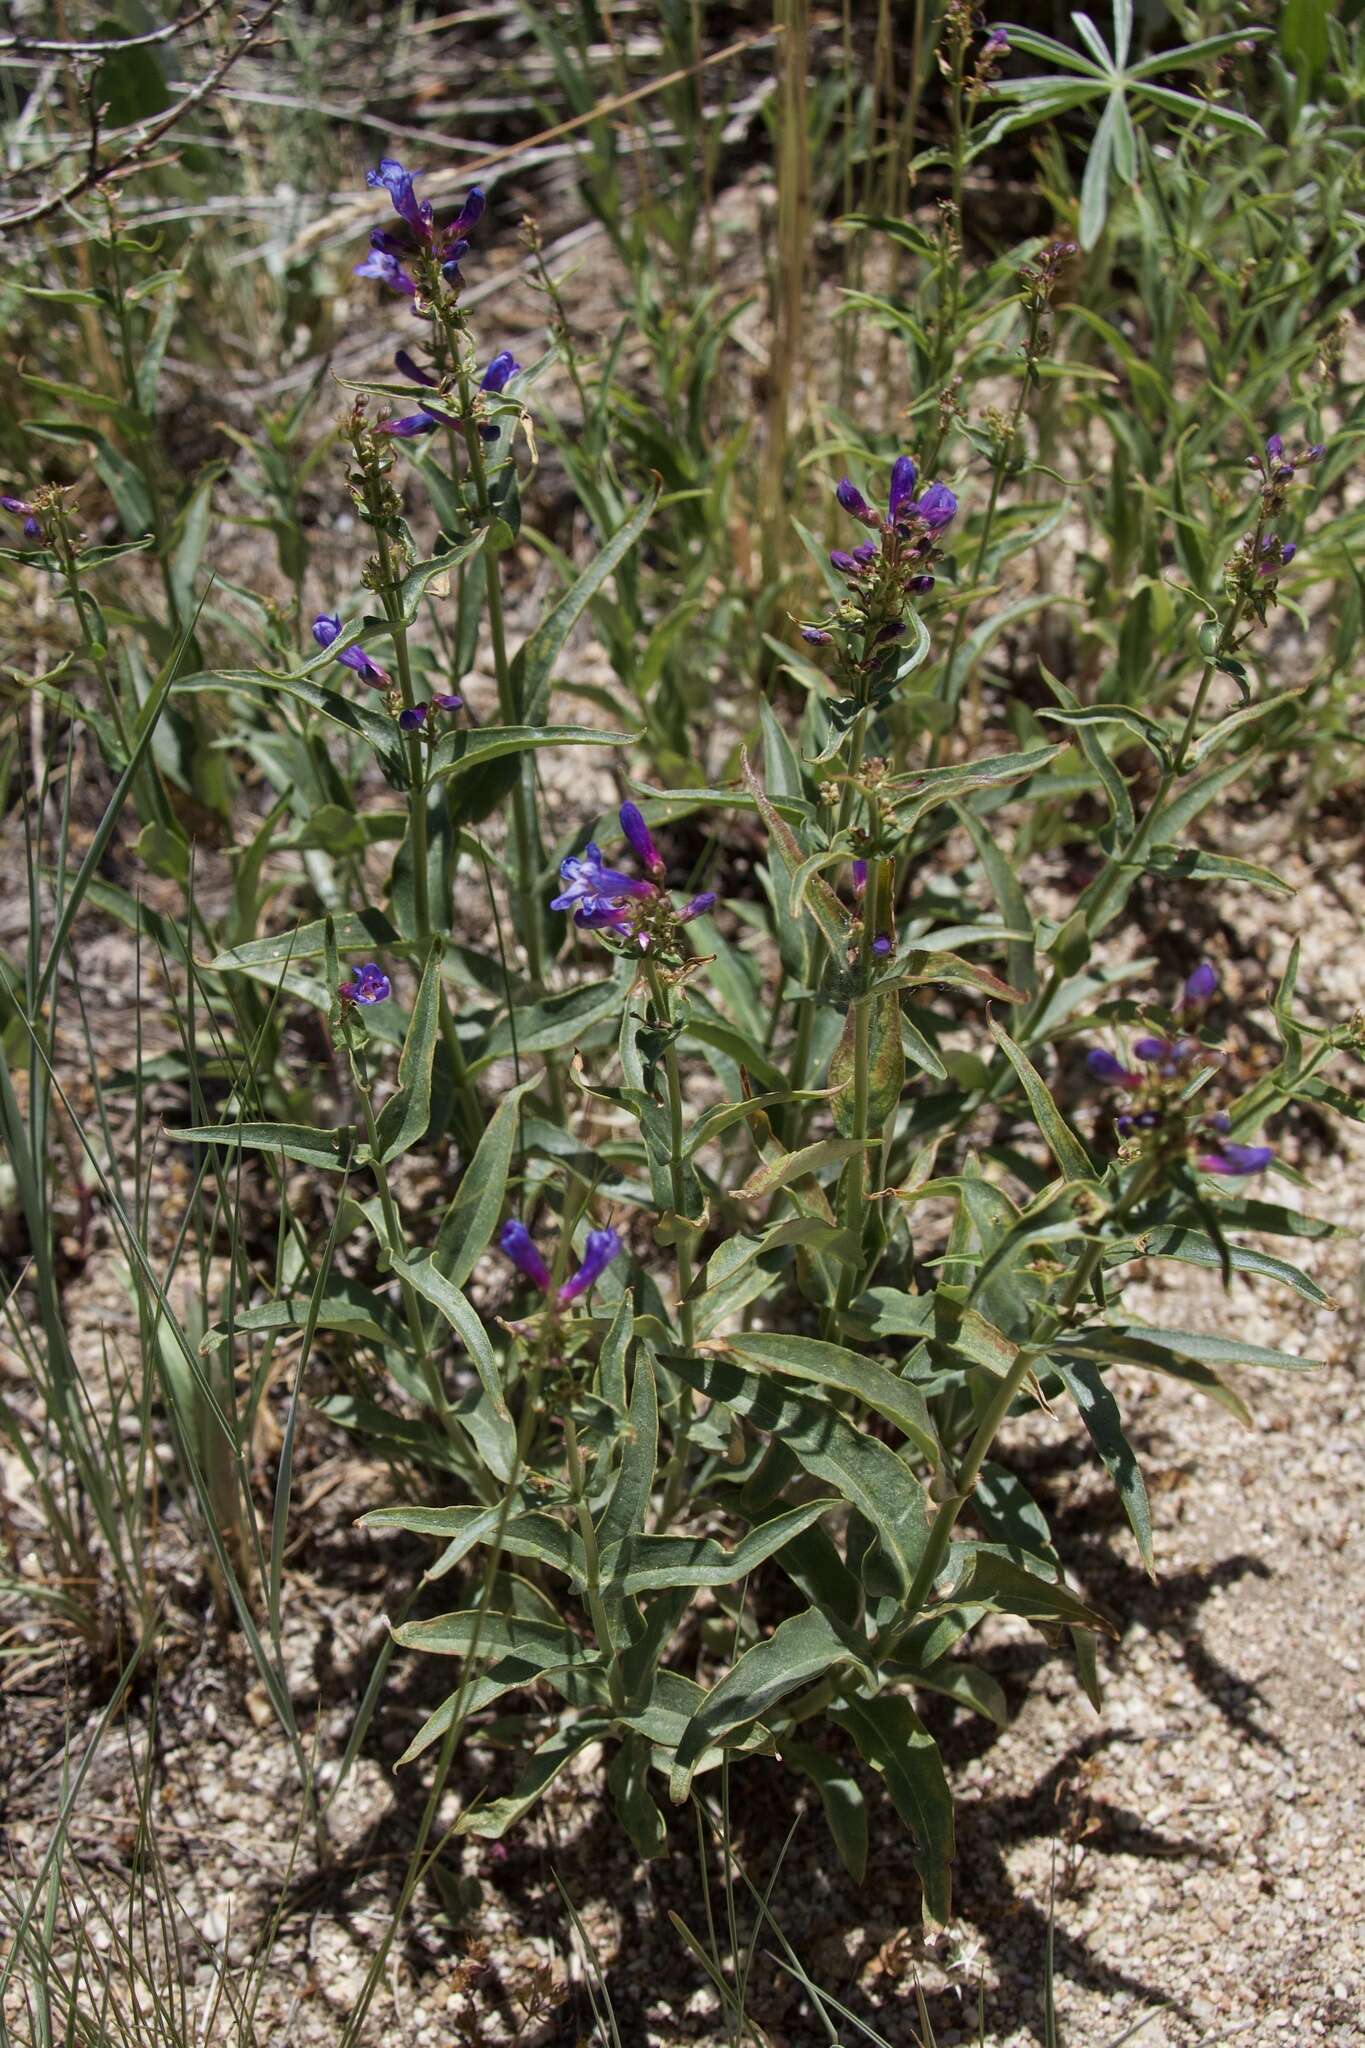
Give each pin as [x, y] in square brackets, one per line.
[676, 1473]
[1225, 639]
[592, 1565]
[1050, 1320]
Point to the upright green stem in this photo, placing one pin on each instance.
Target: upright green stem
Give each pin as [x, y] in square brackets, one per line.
[592, 1565]
[417, 771]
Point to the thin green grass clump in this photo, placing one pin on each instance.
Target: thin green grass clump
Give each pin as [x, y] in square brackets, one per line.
[677, 1108]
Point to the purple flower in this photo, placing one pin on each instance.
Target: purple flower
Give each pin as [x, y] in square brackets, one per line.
[1144, 1120]
[397, 182]
[602, 1247]
[937, 508]
[1201, 987]
[21, 509]
[406, 367]
[446, 700]
[326, 627]
[590, 886]
[859, 877]
[816, 636]
[1154, 1049]
[997, 44]
[410, 426]
[1230, 1158]
[412, 717]
[1274, 446]
[903, 477]
[1103, 1067]
[515, 1243]
[921, 584]
[1287, 553]
[700, 906]
[844, 562]
[640, 839]
[383, 264]
[500, 372]
[881, 945]
[1315, 452]
[367, 985]
[855, 504]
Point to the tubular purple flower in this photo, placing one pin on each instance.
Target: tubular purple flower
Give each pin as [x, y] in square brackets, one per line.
[640, 839]
[816, 636]
[903, 479]
[601, 917]
[413, 717]
[855, 504]
[1237, 1160]
[700, 906]
[1288, 552]
[1103, 1067]
[937, 508]
[602, 1247]
[881, 945]
[589, 883]
[1274, 446]
[1315, 452]
[515, 1243]
[859, 877]
[410, 426]
[326, 627]
[368, 984]
[397, 182]
[1201, 986]
[997, 44]
[500, 372]
[406, 367]
[382, 264]
[1154, 1049]
[446, 700]
[21, 509]
[844, 562]
[921, 585]
[469, 215]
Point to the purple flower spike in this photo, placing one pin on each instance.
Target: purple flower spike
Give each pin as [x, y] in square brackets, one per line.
[413, 718]
[1103, 1067]
[1236, 1160]
[500, 372]
[515, 1243]
[602, 1247]
[700, 906]
[641, 840]
[397, 182]
[855, 504]
[591, 885]
[1201, 987]
[368, 984]
[903, 479]
[937, 508]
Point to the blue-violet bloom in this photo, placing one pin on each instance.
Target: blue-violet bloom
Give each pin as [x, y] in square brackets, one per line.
[515, 1243]
[640, 839]
[368, 985]
[602, 1247]
[326, 628]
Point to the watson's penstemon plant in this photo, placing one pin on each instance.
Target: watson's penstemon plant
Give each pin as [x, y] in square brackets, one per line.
[787, 1152]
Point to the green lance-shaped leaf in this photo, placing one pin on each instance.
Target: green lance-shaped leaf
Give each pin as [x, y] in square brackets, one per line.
[469, 1222]
[546, 1762]
[482, 744]
[832, 1365]
[628, 1782]
[534, 1534]
[559, 1021]
[1100, 1414]
[862, 1470]
[655, 1564]
[347, 1306]
[624, 1514]
[327, 1150]
[498, 1442]
[403, 1120]
[895, 1742]
[536, 657]
[799, 1650]
[885, 1065]
[356, 932]
[1141, 1344]
[1004, 1579]
[1066, 1147]
[841, 1797]
[1198, 1248]
[829, 913]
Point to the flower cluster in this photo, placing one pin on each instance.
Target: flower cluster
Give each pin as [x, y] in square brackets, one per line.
[1255, 564]
[884, 574]
[1169, 1064]
[495, 379]
[419, 236]
[21, 509]
[516, 1243]
[369, 984]
[412, 717]
[603, 899]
